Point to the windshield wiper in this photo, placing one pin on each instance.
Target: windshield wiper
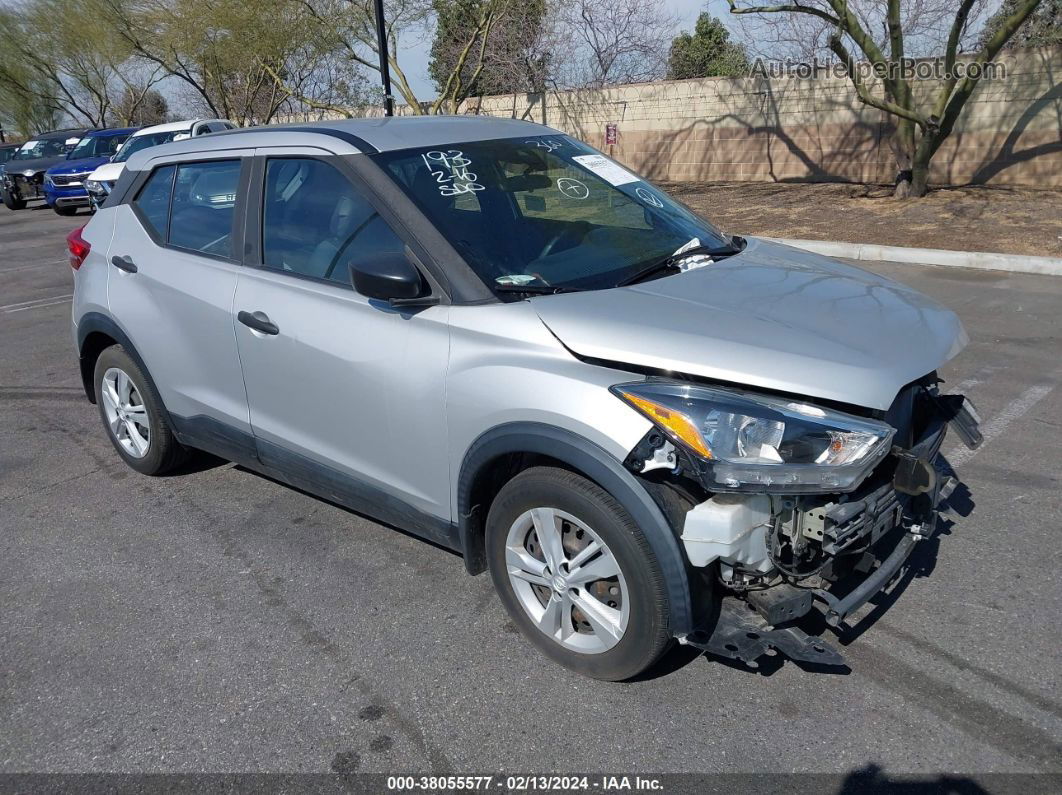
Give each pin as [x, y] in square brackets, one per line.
[672, 261]
[535, 289]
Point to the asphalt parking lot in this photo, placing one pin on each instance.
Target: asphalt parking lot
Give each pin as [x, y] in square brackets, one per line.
[219, 621]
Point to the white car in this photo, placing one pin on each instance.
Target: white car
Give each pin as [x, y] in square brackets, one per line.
[100, 182]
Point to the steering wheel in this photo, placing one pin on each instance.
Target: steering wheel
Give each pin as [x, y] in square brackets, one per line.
[580, 227]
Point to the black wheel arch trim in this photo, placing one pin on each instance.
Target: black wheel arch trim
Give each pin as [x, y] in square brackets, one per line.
[594, 462]
[96, 322]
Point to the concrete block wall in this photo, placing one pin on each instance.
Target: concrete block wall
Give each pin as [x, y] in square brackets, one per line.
[788, 129]
[791, 129]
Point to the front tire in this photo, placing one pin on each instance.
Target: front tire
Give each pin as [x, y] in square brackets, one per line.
[132, 415]
[13, 203]
[576, 574]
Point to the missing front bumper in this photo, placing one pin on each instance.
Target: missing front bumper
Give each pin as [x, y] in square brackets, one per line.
[837, 610]
[740, 635]
[899, 510]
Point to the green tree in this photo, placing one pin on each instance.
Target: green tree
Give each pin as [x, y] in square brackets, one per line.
[1043, 28]
[707, 52]
[224, 53]
[26, 104]
[63, 55]
[505, 30]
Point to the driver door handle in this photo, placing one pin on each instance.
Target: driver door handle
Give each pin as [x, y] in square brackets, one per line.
[259, 321]
[124, 263]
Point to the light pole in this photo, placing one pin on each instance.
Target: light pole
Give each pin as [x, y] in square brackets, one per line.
[385, 71]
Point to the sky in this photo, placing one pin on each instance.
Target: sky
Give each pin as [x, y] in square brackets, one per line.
[414, 51]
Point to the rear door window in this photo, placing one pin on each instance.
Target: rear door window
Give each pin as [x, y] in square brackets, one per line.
[204, 207]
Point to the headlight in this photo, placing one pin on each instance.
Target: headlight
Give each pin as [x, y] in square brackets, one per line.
[749, 442]
[94, 186]
[48, 179]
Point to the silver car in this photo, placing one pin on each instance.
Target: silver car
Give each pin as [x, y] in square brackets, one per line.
[488, 333]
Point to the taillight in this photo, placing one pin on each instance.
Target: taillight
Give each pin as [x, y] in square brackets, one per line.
[79, 247]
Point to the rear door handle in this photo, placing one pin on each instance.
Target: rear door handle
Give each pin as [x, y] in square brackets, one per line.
[259, 321]
[123, 263]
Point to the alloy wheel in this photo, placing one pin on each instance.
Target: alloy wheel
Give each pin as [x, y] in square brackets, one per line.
[567, 580]
[127, 416]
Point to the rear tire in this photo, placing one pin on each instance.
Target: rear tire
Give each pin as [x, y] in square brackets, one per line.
[133, 416]
[604, 612]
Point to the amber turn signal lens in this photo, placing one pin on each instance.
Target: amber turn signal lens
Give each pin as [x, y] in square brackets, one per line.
[674, 422]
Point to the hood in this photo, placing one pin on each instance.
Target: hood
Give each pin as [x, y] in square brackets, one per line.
[772, 317]
[108, 172]
[82, 165]
[36, 166]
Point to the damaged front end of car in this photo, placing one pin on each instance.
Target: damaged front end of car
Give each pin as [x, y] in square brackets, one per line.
[797, 504]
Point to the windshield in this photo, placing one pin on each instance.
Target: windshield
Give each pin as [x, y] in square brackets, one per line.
[97, 146]
[545, 210]
[138, 142]
[45, 147]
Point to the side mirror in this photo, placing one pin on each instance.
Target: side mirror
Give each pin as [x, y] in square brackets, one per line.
[389, 277]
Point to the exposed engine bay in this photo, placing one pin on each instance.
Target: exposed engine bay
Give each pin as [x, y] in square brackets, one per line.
[777, 556]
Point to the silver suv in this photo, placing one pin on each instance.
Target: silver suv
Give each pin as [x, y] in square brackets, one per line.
[488, 333]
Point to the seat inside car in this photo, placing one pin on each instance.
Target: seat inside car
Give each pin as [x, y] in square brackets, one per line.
[347, 217]
[301, 199]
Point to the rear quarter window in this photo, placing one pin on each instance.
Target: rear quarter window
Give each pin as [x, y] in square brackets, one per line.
[192, 205]
[153, 201]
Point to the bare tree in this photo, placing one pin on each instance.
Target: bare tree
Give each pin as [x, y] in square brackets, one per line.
[610, 43]
[886, 33]
[805, 37]
[139, 105]
[346, 30]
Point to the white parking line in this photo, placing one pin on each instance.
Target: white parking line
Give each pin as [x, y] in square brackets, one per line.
[979, 377]
[22, 306]
[35, 265]
[37, 306]
[994, 427]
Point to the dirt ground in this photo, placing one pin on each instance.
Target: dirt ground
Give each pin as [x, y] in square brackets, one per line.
[974, 218]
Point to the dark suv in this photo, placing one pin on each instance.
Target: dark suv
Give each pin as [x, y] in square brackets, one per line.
[6, 150]
[23, 178]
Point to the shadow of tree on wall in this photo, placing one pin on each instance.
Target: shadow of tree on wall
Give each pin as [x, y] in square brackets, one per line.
[806, 130]
[846, 147]
[1008, 155]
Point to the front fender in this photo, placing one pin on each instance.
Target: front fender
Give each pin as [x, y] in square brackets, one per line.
[596, 464]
